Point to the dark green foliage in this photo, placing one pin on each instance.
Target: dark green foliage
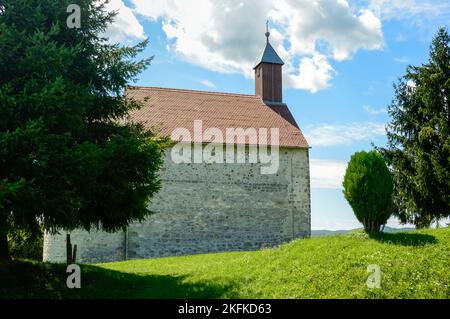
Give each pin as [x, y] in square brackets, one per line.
[67, 158]
[368, 189]
[418, 149]
[26, 245]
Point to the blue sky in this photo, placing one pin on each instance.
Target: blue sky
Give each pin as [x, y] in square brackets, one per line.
[342, 58]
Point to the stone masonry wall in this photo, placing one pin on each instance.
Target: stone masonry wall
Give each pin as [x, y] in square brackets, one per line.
[204, 208]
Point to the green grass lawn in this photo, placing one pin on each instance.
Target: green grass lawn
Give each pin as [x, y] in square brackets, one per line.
[414, 265]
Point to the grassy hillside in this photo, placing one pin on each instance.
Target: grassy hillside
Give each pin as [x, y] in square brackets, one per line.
[414, 265]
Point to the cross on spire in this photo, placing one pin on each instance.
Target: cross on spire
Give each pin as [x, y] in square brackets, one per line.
[267, 31]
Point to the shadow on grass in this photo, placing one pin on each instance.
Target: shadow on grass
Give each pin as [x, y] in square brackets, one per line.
[404, 239]
[40, 280]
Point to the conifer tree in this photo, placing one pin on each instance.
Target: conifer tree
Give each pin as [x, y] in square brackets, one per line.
[418, 149]
[67, 157]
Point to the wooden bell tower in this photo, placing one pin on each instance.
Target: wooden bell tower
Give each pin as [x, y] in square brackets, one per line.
[268, 74]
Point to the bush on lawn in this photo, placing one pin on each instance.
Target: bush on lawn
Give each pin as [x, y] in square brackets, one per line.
[368, 188]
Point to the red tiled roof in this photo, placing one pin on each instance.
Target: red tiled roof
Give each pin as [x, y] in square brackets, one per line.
[168, 109]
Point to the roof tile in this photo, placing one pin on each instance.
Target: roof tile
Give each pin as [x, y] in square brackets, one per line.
[169, 109]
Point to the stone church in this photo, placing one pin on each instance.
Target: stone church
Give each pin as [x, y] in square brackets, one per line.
[209, 206]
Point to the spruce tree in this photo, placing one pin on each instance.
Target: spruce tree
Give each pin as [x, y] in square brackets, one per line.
[418, 149]
[68, 158]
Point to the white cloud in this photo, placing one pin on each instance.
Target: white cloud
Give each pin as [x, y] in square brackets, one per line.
[125, 27]
[402, 60]
[373, 111]
[327, 174]
[337, 223]
[408, 9]
[226, 36]
[314, 74]
[208, 84]
[332, 135]
[401, 37]
[411, 84]
[421, 14]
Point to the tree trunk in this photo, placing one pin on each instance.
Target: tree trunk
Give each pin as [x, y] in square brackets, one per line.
[424, 222]
[371, 226]
[68, 250]
[4, 249]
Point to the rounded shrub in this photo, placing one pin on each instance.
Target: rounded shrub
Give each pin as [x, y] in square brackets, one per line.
[368, 188]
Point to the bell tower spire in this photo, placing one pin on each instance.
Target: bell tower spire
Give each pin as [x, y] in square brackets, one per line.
[268, 74]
